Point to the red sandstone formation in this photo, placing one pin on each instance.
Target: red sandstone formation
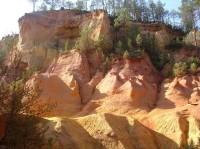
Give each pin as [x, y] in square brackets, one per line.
[126, 107]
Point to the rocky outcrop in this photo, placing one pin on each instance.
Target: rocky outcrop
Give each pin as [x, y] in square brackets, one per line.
[161, 33]
[67, 133]
[193, 38]
[179, 92]
[124, 102]
[43, 34]
[69, 81]
[159, 131]
[126, 106]
[77, 79]
[129, 85]
[106, 131]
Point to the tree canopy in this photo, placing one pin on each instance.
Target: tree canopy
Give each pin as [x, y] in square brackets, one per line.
[186, 17]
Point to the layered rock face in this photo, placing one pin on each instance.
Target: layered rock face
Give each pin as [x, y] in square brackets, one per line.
[179, 92]
[127, 106]
[72, 81]
[77, 80]
[112, 108]
[163, 35]
[43, 34]
[130, 85]
[193, 38]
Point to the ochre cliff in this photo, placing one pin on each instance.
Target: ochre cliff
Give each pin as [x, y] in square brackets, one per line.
[162, 33]
[127, 106]
[43, 34]
[120, 108]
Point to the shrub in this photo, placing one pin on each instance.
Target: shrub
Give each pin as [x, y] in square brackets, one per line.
[68, 45]
[18, 102]
[2, 55]
[120, 47]
[169, 73]
[129, 44]
[180, 68]
[174, 44]
[127, 55]
[84, 42]
[106, 62]
[193, 68]
[104, 44]
[159, 59]
[191, 60]
[137, 54]
[139, 40]
[157, 56]
[8, 43]
[122, 20]
[133, 31]
[188, 66]
[100, 42]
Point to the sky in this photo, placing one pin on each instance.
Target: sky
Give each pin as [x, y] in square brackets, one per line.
[12, 10]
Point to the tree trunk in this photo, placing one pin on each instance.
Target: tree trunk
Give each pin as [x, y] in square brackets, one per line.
[195, 38]
[195, 33]
[114, 8]
[103, 4]
[34, 6]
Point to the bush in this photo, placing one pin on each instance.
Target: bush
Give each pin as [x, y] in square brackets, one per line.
[102, 43]
[157, 57]
[137, 54]
[18, 101]
[8, 43]
[139, 40]
[129, 44]
[127, 55]
[191, 60]
[174, 44]
[120, 47]
[188, 66]
[193, 68]
[180, 68]
[133, 31]
[2, 55]
[84, 42]
[106, 63]
[68, 45]
[169, 73]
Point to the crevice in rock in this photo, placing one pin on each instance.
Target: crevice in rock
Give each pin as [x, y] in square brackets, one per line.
[159, 84]
[184, 126]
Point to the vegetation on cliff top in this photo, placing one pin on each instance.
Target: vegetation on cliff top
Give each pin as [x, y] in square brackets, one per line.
[123, 12]
[139, 10]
